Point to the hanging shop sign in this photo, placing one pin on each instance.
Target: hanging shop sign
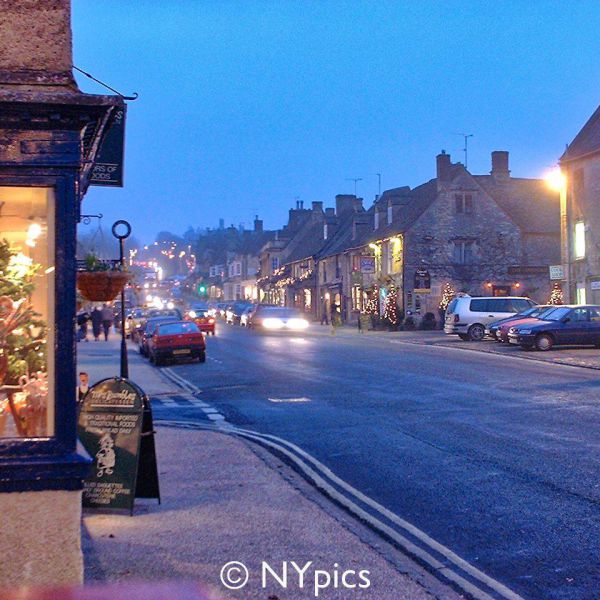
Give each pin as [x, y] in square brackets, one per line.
[557, 272]
[108, 166]
[366, 264]
[422, 282]
[115, 427]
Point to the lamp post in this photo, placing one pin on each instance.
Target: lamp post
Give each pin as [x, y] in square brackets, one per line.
[122, 230]
[557, 181]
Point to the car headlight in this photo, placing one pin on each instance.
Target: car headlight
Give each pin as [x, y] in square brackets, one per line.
[524, 331]
[272, 323]
[170, 305]
[297, 324]
[192, 314]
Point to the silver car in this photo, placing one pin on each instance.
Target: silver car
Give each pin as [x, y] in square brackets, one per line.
[468, 317]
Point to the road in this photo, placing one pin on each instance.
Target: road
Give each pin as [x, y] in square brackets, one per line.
[496, 458]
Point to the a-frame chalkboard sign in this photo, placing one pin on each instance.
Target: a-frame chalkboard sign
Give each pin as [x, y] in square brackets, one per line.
[115, 427]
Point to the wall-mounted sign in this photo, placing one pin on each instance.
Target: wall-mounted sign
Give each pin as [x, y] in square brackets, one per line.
[108, 166]
[366, 264]
[422, 282]
[114, 416]
[557, 272]
[595, 285]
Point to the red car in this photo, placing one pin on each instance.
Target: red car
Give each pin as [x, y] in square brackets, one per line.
[181, 339]
[202, 318]
[532, 315]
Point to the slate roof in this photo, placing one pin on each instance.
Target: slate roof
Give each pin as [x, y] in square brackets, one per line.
[342, 239]
[532, 206]
[587, 141]
[307, 242]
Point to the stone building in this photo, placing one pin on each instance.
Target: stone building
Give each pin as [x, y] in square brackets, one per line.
[482, 234]
[580, 214]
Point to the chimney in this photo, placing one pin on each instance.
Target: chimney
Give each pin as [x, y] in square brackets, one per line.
[317, 206]
[500, 164]
[258, 224]
[344, 203]
[330, 212]
[443, 164]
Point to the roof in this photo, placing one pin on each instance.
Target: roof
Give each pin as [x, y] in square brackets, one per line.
[587, 141]
[532, 206]
[307, 242]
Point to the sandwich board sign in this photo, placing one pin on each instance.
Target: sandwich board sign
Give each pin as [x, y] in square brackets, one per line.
[115, 427]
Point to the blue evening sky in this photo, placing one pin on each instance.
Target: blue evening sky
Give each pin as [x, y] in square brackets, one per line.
[246, 105]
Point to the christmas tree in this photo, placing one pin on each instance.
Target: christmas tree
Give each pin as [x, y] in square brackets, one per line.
[22, 332]
[390, 309]
[372, 303]
[556, 296]
[448, 292]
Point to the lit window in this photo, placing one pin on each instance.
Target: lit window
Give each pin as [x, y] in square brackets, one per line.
[390, 214]
[26, 312]
[376, 222]
[325, 231]
[581, 298]
[580, 239]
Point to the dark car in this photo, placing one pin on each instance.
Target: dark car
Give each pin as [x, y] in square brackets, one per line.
[565, 325]
[255, 311]
[499, 329]
[148, 331]
[180, 339]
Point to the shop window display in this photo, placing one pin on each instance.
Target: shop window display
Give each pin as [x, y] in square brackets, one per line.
[26, 312]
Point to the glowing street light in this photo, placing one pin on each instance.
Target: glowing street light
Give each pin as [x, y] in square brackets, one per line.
[556, 179]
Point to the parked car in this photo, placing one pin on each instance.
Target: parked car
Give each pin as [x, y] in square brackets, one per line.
[234, 312]
[202, 318]
[499, 329]
[146, 334]
[134, 322]
[467, 316]
[277, 318]
[179, 339]
[564, 325]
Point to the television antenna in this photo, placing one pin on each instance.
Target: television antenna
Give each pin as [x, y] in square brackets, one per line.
[466, 137]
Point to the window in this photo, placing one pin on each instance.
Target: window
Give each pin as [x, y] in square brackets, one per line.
[479, 305]
[390, 214]
[464, 203]
[27, 312]
[521, 305]
[275, 263]
[580, 315]
[324, 231]
[463, 252]
[376, 220]
[579, 240]
[581, 296]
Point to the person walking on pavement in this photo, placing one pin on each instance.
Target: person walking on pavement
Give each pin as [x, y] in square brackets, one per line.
[82, 323]
[96, 317]
[107, 320]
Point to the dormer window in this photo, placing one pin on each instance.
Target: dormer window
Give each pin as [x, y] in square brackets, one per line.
[325, 231]
[390, 214]
[376, 221]
[464, 203]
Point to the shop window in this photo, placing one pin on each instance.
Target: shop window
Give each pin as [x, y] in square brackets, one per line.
[26, 312]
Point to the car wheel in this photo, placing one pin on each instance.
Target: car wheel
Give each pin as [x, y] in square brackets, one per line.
[464, 337]
[202, 357]
[476, 332]
[544, 342]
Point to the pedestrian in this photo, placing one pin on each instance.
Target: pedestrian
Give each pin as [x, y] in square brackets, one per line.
[82, 323]
[84, 386]
[336, 318]
[96, 318]
[108, 317]
[324, 317]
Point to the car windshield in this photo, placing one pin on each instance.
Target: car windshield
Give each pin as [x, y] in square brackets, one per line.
[531, 312]
[555, 314]
[154, 323]
[177, 328]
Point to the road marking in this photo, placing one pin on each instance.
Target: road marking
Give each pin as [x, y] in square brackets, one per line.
[289, 400]
[318, 473]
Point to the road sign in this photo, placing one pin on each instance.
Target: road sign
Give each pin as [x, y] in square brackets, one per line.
[557, 272]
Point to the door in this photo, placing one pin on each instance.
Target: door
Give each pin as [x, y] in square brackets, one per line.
[575, 329]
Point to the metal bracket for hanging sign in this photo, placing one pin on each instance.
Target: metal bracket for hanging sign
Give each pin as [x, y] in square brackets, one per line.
[135, 94]
[87, 219]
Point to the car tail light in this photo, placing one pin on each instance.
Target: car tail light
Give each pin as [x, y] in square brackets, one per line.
[211, 320]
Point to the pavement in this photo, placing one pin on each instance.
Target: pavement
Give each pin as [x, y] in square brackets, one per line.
[225, 499]
[576, 356]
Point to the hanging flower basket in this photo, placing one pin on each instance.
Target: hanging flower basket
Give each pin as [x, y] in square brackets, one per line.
[101, 286]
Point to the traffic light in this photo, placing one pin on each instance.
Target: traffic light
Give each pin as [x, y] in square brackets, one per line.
[202, 289]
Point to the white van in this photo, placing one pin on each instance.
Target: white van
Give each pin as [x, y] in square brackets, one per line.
[468, 316]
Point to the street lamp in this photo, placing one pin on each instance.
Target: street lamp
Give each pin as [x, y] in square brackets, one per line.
[557, 180]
